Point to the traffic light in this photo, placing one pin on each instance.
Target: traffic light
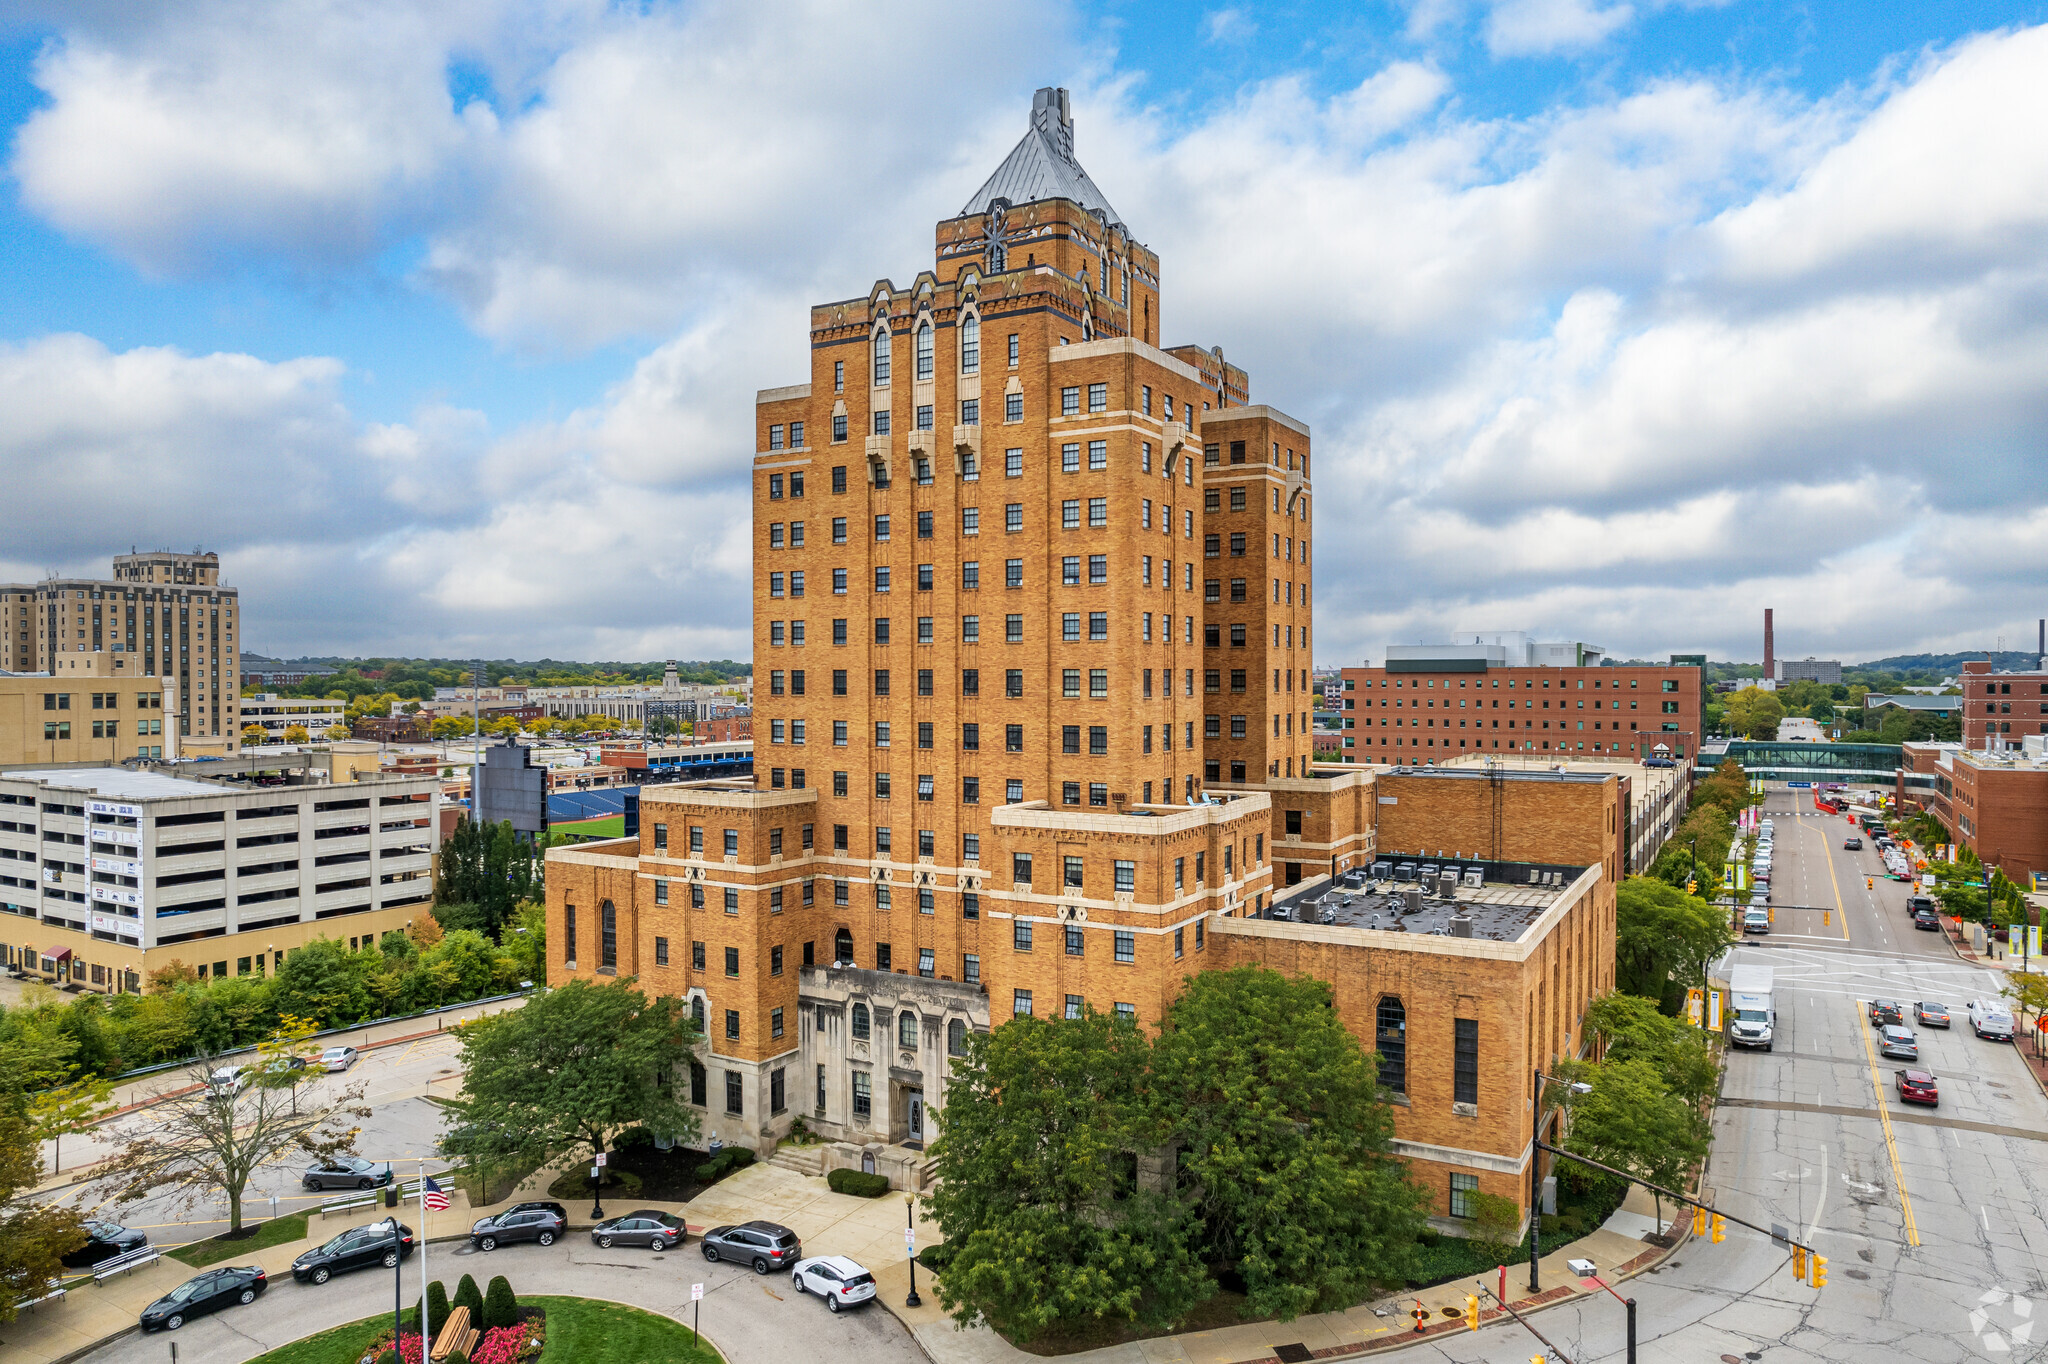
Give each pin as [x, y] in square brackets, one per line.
[1720, 1229]
[1820, 1271]
[1799, 1262]
[1870, 883]
[1472, 1310]
[1692, 885]
[1699, 1221]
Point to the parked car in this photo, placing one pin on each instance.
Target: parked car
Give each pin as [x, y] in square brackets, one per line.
[1898, 1043]
[346, 1172]
[538, 1222]
[1930, 1014]
[103, 1241]
[228, 1080]
[836, 1279]
[339, 1058]
[1886, 1011]
[764, 1245]
[211, 1291]
[1990, 1020]
[1756, 921]
[380, 1243]
[1927, 920]
[648, 1227]
[1855, 844]
[1917, 1087]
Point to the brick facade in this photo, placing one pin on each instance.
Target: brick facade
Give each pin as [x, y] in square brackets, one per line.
[2009, 706]
[1618, 711]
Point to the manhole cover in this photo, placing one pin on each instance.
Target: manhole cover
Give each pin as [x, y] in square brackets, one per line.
[1293, 1354]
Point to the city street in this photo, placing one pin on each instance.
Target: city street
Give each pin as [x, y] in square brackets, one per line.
[1926, 1249]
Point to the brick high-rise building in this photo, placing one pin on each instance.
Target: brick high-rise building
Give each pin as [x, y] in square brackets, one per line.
[1024, 584]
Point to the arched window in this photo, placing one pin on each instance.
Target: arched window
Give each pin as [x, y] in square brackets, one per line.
[970, 343]
[906, 1030]
[697, 1012]
[924, 350]
[881, 355]
[842, 948]
[860, 1022]
[1087, 327]
[956, 1038]
[1390, 1036]
[608, 937]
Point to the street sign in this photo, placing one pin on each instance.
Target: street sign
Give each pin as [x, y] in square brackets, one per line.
[696, 1292]
[910, 1240]
[1799, 785]
[1714, 998]
[1694, 1006]
[600, 1159]
[1780, 1236]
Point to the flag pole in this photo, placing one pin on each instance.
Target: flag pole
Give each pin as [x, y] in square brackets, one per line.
[426, 1336]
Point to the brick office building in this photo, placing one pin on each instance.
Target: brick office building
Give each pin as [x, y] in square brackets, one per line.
[1996, 804]
[1424, 710]
[2005, 707]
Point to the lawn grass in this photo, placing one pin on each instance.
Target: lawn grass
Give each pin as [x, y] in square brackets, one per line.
[605, 826]
[585, 1331]
[579, 1331]
[275, 1232]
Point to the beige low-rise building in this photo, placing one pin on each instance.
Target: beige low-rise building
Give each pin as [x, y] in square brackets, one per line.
[73, 719]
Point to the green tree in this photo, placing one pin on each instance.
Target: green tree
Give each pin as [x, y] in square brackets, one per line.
[1628, 1027]
[1755, 713]
[1633, 1122]
[38, 1101]
[1661, 933]
[1037, 1186]
[254, 734]
[325, 980]
[578, 1064]
[489, 868]
[1285, 1141]
[296, 734]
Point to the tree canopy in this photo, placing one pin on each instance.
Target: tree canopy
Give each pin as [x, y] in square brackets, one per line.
[577, 1064]
[489, 869]
[1662, 934]
[1754, 713]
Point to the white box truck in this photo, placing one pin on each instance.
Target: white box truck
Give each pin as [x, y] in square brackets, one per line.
[1751, 1018]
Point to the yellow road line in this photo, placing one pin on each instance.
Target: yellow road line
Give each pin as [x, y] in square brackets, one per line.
[1884, 1116]
[1828, 856]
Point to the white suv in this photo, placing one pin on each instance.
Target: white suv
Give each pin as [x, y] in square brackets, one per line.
[1990, 1019]
[836, 1279]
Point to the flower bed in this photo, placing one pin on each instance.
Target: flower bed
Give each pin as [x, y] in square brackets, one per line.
[499, 1345]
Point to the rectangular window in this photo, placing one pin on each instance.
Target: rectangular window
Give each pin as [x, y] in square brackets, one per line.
[1465, 1062]
[1126, 876]
[1098, 454]
[1013, 629]
[735, 1085]
[1070, 457]
[970, 965]
[863, 1094]
[1013, 406]
[1126, 945]
[1020, 1003]
[1462, 1189]
[1070, 401]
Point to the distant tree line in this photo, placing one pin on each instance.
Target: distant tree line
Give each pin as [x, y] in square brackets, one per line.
[414, 679]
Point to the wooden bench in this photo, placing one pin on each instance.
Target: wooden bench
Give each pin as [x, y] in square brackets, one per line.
[455, 1334]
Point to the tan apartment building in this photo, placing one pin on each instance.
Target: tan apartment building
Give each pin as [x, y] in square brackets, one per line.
[68, 719]
[161, 615]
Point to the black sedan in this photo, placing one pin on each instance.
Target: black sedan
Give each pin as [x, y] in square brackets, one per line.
[346, 1172]
[380, 1243]
[648, 1227]
[211, 1291]
[539, 1222]
[104, 1240]
[764, 1245]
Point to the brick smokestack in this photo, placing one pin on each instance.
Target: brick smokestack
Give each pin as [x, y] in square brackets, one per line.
[1770, 656]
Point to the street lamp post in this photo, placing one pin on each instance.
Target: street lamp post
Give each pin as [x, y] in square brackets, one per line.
[910, 1245]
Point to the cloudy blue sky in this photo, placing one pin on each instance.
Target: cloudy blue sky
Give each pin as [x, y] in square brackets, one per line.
[1615, 319]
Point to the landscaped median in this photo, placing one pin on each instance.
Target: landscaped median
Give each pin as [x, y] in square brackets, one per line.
[582, 1330]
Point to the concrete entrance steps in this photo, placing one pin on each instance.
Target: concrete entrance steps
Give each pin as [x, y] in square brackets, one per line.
[803, 1160]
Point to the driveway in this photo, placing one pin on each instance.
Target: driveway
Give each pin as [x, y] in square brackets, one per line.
[752, 1319]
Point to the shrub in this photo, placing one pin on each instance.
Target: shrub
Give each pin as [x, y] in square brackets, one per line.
[389, 1357]
[457, 1357]
[727, 1160]
[466, 1295]
[635, 1135]
[858, 1183]
[437, 1308]
[500, 1307]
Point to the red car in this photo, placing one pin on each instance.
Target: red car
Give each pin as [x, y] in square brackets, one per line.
[1917, 1087]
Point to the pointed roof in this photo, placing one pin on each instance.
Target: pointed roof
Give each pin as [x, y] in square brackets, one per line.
[1042, 165]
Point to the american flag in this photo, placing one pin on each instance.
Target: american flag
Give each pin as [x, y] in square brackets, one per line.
[432, 1196]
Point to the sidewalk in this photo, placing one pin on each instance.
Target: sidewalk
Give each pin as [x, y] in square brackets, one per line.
[1385, 1324]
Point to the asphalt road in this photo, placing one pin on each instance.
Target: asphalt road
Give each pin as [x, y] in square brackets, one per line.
[752, 1319]
[1926, 1251]
[403, 1126]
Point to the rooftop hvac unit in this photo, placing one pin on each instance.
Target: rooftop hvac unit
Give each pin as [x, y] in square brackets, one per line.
[1411, 901]
[1475, 876]
[1461, 925]
[1535, 877]
[1447, 886]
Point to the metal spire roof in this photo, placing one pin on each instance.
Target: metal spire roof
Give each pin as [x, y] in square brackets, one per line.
[1042, 165]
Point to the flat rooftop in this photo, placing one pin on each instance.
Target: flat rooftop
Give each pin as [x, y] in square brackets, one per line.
[1495, 901]
[118, 783]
